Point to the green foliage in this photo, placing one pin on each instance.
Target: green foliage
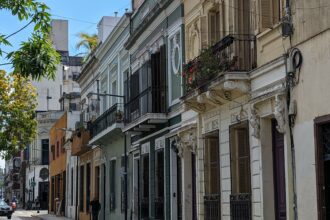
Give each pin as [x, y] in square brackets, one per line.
[88, 42]
[36, 57]
[17, 110]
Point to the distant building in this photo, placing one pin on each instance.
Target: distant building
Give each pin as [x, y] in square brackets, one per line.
[55, 97]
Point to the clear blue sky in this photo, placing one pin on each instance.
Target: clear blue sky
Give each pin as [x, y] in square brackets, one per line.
[83, 15]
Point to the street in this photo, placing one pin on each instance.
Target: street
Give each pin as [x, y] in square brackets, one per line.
[25, 215]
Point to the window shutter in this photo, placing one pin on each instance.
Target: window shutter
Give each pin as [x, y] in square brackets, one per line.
[266, 13]
[203, 31]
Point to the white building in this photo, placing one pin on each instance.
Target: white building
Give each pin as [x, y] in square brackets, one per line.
[54, 97]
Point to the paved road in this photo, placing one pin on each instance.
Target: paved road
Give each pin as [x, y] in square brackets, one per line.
[24, 215]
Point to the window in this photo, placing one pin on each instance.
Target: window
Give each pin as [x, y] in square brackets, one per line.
[240, 159]
[145, 186]
[214, 27]
[45, 151]
[97, 182]
[57, 148]
[114, 91]
[72, 186]
[75, 75]
[123, 184]
[211, 164]
[159, 203]
[53, 151]
[112, 184]
[88, 187]
[104, 89]
[212, 176]
[81, 190]
[270, 12]
[73, 107]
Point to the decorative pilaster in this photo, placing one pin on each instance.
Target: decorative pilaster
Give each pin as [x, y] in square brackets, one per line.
[279, 113]
[255, 122]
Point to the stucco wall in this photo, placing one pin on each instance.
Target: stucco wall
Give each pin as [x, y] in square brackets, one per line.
[313, 100]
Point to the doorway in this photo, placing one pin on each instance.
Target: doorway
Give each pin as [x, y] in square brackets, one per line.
[279, 173]
[322, 134]
[43, 195]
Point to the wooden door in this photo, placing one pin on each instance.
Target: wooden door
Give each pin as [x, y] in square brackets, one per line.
[279, 173]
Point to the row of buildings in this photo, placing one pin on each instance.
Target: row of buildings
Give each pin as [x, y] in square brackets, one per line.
[199, 110]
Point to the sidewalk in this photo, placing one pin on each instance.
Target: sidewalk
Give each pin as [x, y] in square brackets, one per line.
[51, 217]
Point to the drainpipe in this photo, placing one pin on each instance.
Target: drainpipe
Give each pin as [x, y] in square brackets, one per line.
[125, 172]
[294, 65]
[77, 169]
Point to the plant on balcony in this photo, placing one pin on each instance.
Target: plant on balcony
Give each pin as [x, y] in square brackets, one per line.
[119, 116]
[205, 67]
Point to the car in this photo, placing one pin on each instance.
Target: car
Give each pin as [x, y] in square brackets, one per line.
[5, 209]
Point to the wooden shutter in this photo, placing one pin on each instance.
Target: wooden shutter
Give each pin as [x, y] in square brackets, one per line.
[266, 14]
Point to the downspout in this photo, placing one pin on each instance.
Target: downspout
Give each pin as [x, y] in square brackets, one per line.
[77, 169]
[290, 117]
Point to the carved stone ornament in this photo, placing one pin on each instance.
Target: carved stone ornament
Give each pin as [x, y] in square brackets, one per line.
[279, 113]
[255, 122]
[236, 85]
[176, 55]
[187, 141]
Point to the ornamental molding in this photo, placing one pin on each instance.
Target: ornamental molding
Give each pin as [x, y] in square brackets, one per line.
[211, 122]
[268, 90]
[242, 86]
[279, 113]
[187, 140]
[255, 122]
[197, 107]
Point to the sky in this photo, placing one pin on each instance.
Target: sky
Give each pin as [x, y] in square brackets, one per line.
[83, 16]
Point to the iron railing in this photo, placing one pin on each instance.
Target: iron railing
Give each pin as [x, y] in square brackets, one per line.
[159, 208]
[240, 206]
[151, 100]
[109, 117]
[233, 53]
[212, 207]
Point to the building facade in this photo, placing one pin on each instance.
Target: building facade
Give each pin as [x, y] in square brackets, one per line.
[152, 109]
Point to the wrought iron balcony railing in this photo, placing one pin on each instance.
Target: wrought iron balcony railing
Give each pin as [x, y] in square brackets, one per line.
[233, 53]
[108, 118]
[212, 207]
[240, 206]
[151, 100]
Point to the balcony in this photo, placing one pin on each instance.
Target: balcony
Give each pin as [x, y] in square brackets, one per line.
[220, 73]
[212, 207]
[79, 142]
[146, 110]
[108, 122]
[240, 206]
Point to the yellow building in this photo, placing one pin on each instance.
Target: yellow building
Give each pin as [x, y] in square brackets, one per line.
[57, 166]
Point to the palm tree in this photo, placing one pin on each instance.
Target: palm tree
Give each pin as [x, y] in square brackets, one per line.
[88, 41]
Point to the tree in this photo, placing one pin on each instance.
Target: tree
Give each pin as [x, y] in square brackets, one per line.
[17, 109]
[88, 41]
[36, 57]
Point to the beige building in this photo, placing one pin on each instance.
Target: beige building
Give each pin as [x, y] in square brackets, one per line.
[252, 109]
